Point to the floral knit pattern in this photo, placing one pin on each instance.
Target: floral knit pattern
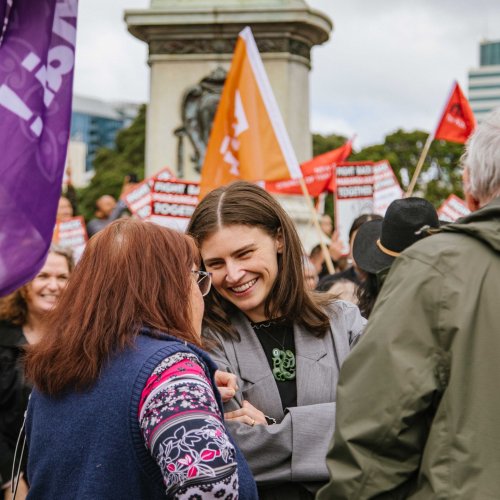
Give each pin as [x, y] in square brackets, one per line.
[184, 431]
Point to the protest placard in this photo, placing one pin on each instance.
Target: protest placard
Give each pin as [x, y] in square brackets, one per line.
[71, 233]
[354, 196]
[453, 208]
[138, 200]
[386, 187]
[164, 174]
[173, 202]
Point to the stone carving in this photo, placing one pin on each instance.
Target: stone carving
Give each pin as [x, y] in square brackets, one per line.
[226, 46]
[198, 108]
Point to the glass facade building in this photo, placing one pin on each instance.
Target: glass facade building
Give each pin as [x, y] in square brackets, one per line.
[484, 82]
[96, 123]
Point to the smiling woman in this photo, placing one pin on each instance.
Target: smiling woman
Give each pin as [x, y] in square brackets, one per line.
[22, 318]
[244, 266]
[284, 343]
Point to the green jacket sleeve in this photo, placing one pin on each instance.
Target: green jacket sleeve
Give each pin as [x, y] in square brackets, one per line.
[388, 388]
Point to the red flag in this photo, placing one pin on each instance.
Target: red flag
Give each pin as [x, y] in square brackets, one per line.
[458, 121]
[317, 173]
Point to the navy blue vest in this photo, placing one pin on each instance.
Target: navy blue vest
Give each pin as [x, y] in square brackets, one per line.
[88, 445]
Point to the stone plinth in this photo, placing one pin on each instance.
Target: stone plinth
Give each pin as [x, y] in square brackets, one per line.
[189, 39]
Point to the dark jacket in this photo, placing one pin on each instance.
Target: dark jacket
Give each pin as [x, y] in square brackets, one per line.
[88, 445]
[96, 225]
[14, 393]
[418, 405]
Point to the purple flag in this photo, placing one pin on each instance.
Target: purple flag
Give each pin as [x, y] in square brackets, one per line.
[5, 8]
[36, 78]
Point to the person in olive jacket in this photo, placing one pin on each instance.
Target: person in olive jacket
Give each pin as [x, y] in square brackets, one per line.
[418, 406]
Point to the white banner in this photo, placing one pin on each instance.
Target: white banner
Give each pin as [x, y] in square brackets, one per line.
[138, 200]
[71, 233]
[354, 196]
[453, 208]
[173, 202]
[386, 187]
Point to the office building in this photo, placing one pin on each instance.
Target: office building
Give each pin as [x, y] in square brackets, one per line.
[94, 124]
[484, 82]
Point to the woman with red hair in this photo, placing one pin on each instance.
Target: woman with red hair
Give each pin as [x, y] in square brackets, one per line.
[125, 403]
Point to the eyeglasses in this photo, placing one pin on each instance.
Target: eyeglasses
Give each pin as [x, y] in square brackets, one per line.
[204, 281]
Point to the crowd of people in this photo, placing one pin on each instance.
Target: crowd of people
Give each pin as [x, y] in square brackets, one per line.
[215, 364]
[106, 208]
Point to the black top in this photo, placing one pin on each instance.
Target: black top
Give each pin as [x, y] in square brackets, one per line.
[14, 394]
[278, 334]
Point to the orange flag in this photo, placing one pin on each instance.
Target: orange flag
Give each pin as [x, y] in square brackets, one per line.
[317, 173]
[458, 121]
[248, 139]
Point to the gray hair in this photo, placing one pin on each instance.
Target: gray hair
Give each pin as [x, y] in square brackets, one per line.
[482, 159]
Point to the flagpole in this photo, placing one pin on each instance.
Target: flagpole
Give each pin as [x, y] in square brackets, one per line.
[420, 164]
[438, 132]
[314, 215]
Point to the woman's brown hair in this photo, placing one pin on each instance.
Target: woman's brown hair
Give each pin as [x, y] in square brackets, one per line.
[132, 274]
[245, 203]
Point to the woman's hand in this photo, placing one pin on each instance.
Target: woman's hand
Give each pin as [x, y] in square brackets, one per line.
[22, 491]
[226, 384]
[248, 414]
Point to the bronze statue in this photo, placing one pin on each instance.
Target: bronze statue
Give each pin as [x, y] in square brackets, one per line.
[198, 108]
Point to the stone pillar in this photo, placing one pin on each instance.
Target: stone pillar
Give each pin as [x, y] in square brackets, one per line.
[189, 39]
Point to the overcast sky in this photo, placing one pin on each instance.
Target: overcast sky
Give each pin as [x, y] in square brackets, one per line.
[388, 64]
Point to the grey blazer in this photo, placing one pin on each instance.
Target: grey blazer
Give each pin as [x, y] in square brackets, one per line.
[294, 449]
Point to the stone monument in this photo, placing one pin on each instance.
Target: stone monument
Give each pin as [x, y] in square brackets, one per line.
[191, 43]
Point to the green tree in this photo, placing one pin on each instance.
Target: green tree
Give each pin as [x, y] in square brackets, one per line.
[324, 143]
[112, 165]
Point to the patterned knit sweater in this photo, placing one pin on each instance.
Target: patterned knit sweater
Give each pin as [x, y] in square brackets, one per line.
[183, 429]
